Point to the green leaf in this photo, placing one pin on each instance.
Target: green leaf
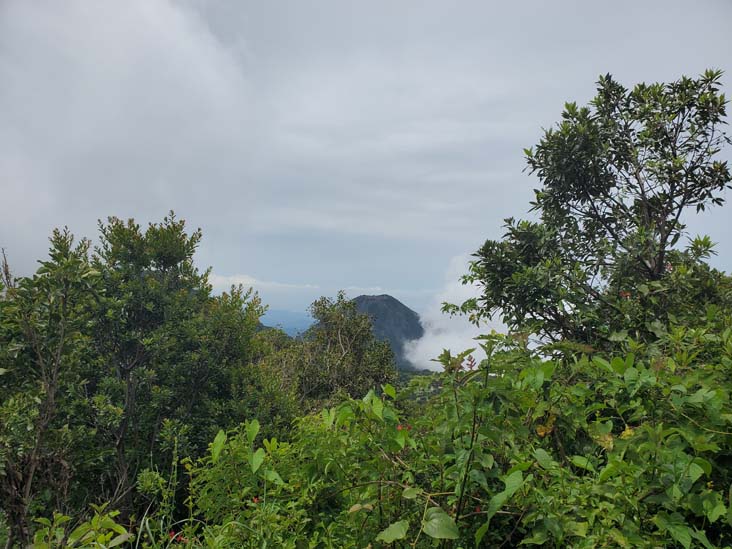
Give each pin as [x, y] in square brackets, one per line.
[582, 462]
[256, 459]
[609, 471]
[538, 537]
[119, 540]
[622, 335]
[513, 482]
[411, 492]
[714, 512]
[273, 476]
[481, 532]
[694, 472]
[701, 537]
[329, 415]
[377, 406]
[578, 529]
[439, 525]
[618, 365]
[520, 466]
[252, 430]
[79, 533]
[675, 526]
[477, 476]
[401, 438]
[218, 445]
[487, 461]
[389, 390]
[345, 415]
[658, 329]
[393, 532]
[704, 464]
[601, 362]
[544, 459]
[630, 375]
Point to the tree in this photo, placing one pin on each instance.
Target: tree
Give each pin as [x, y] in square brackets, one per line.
[338, 355]
[617, 177]
[349, 358]
[43, 345]
[109, 362]
[171, 352]
[151, 287]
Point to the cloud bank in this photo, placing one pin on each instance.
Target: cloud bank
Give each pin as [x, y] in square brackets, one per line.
[223, 282]
[342, 144]
[443, 331]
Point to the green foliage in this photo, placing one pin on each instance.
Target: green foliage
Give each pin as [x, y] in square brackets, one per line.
[175, 357]
[338, 356]
[579, 451]
[111, 364]
[100, 532]
[116, 363]
[44, 344]
[629, 450]
[617, 177]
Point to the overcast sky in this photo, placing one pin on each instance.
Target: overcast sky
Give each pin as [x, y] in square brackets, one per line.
[318, 144]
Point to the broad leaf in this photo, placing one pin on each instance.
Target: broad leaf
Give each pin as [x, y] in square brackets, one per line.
[252, 430]
[582, 462]
[438, 524]
[393, 532]
[676, 526]
[217, 446]
[256, 459]
[273, 476]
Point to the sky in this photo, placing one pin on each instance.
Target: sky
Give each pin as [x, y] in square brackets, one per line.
[324, 145]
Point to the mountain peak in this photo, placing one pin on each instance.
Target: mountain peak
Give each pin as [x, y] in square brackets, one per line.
[393, 322]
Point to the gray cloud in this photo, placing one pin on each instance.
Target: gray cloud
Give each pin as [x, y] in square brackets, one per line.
[441, 331]
[327, 144]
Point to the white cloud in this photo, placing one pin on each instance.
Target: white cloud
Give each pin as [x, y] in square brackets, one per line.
[443, 331]
[359, 290]
[224, 282]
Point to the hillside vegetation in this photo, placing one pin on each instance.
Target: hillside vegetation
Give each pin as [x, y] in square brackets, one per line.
[139, 409]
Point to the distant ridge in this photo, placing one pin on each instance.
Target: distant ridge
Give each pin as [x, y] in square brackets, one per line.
[293, 323]
[393, 322]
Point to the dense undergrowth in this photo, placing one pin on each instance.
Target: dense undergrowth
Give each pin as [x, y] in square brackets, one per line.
[631, 450]
[626, 450]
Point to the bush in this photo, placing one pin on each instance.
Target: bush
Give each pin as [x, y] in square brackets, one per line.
[629, 450]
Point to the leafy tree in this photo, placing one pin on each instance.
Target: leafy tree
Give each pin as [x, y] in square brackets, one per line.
[338, 355]
[151, 290]
[349, 358]
[617, 177]
[213, 376]
[43, 345]
[172, 351]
